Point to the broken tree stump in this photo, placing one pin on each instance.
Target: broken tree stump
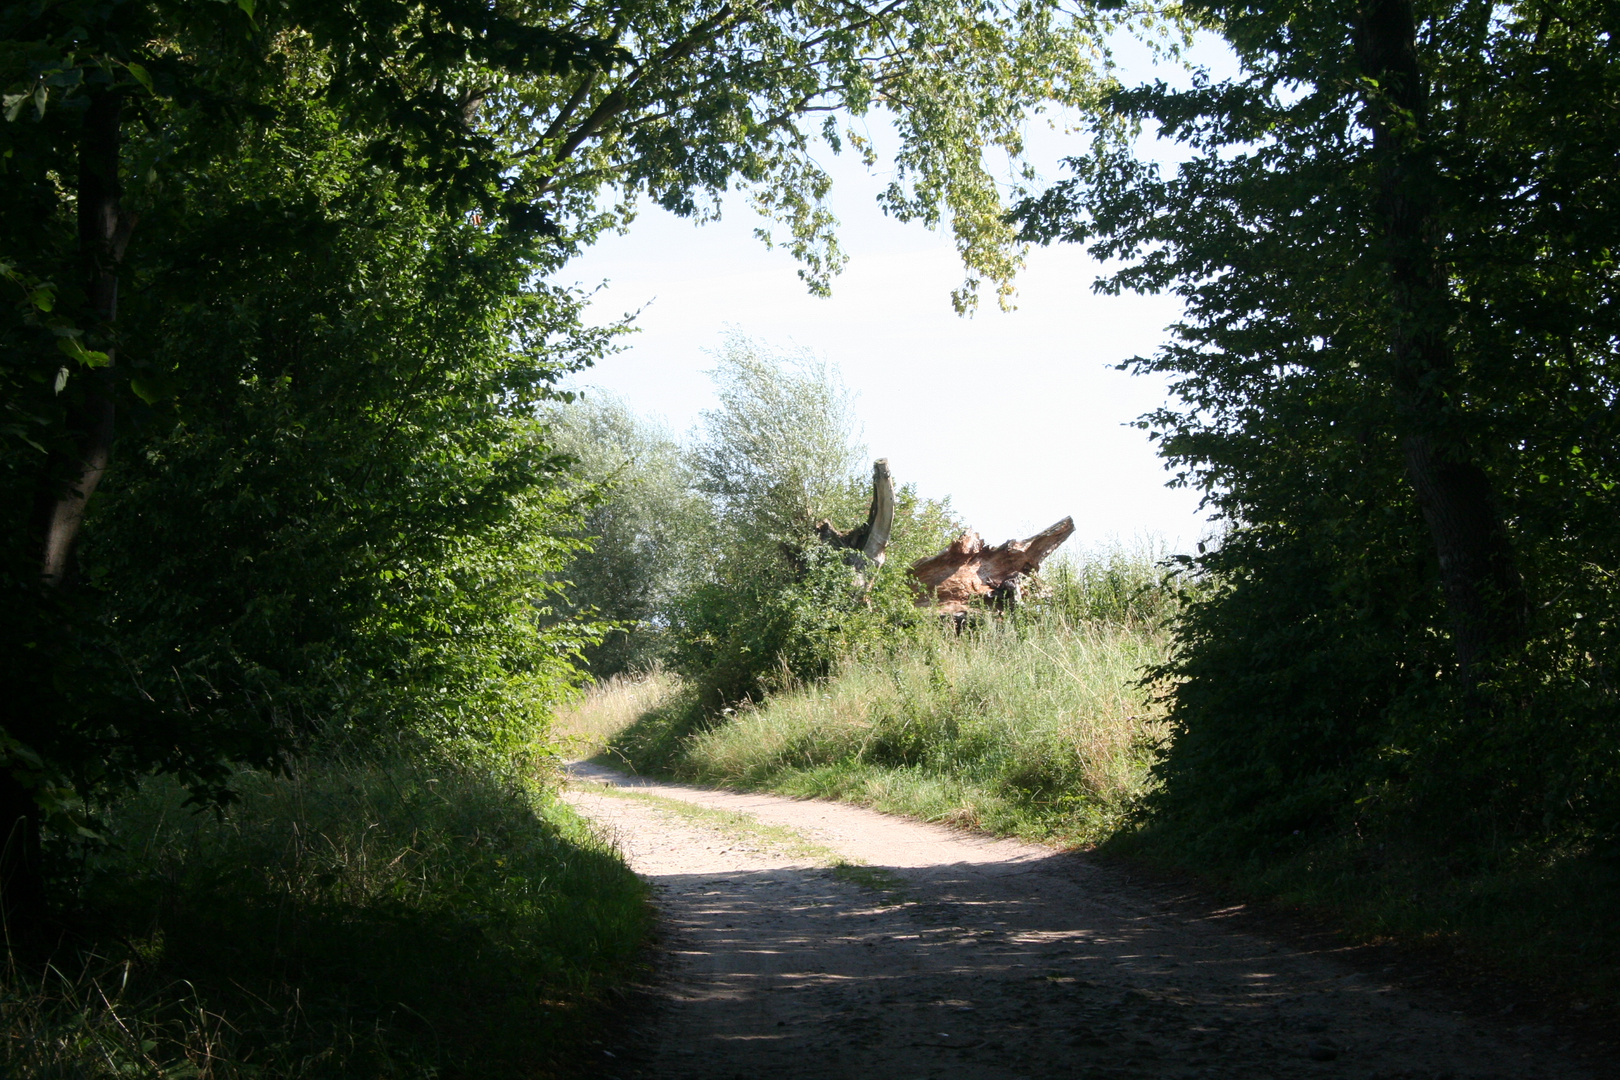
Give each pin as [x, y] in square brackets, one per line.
[968, 570]
[868, 544]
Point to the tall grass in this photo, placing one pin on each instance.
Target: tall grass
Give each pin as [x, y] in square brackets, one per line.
[1033, 724]
[361, 917]
[584, 726]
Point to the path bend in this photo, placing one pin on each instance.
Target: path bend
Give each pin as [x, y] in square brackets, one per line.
[949, 955]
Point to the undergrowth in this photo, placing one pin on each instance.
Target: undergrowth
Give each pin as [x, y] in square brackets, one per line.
[1542, 914]
[359, 918]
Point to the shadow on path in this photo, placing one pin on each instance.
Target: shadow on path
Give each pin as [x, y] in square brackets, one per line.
[1004, 961]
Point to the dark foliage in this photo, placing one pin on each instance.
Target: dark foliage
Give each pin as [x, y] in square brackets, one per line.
[1322, 682]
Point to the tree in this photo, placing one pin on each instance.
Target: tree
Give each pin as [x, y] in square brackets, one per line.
[194, 86]
[1478, 571]
[767, 599]
[123, 117]
[646, 526]
[778, 452]
[1395, 383]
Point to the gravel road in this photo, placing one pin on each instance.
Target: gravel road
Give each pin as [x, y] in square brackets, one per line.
[931, 953]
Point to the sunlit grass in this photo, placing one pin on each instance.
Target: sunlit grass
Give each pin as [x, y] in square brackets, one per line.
[584, 726]
[1037, 729]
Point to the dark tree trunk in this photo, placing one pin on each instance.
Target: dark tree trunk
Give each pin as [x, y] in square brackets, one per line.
[70, 476]
[1484, 593]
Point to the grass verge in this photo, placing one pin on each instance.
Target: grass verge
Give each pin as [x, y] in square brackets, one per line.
[388, 919]
[1035, 730]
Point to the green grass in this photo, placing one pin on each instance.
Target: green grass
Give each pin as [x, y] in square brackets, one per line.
[387, 919]
[1036, 730]
[584, 727]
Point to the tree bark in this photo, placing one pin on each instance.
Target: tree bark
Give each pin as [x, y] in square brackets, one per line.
[69, 477]
[1484, 593]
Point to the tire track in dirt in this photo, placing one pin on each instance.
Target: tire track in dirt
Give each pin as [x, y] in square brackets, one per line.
[982, 958]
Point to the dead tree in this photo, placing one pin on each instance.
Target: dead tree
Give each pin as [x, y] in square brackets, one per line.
[968, 570]
[867, 544]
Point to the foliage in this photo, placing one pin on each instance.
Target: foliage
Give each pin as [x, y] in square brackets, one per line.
[1312, 685]
[778, 451]
[342, 523]
[222, 154]
[1117, 585]
[770, 603]
[358, 917]
[646, 527]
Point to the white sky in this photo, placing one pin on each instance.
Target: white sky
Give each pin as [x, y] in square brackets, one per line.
[1019, 417]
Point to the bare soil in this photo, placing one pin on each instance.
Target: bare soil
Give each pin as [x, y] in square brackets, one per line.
[942, 954]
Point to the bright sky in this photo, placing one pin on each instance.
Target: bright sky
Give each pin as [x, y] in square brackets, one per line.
[1019, 417]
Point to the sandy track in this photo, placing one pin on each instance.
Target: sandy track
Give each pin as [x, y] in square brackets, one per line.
[981, 958]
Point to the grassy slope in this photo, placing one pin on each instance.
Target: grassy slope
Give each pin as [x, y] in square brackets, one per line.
[364, 918]
[1036, 731]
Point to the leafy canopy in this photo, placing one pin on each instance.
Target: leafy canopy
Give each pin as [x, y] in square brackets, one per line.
[1314, 683]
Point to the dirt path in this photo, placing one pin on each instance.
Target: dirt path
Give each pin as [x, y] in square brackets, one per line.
[949, 955]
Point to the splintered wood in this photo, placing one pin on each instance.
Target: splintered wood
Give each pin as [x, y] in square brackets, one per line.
[964, 571]
[867, 544]
[968, 570]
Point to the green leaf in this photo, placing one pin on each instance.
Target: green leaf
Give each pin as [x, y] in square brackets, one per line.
[139, 74]
[153, 387]
[87, 357]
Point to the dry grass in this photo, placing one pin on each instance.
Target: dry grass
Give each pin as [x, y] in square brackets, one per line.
[585, 726]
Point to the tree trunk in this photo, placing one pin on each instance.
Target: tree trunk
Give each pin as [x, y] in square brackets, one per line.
[967, 570]
[1484, 593]
[69, 477]
[868, 544]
